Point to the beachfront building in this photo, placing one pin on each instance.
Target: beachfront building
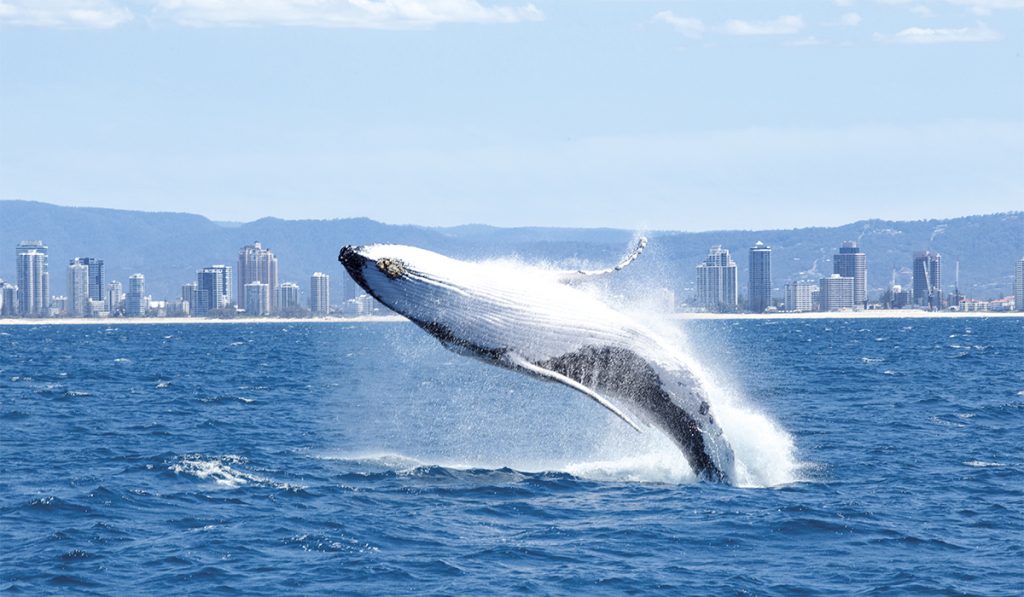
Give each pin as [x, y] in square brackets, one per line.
[928, 280]
[320, 294]
[32, 262]
[115, 297]
[759, 285]
[8, 299]
[851, 262]
[213, 289]
[136, 303]
[257, 299]
[189, 295]
[287, 296]
[78, 289]
[800, 296]
[836, 293]
[256, 264]
[1018, 286]
[717, 281]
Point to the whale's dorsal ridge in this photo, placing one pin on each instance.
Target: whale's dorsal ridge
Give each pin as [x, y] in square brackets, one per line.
[578, 275]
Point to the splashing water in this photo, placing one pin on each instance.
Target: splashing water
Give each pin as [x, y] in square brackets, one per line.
[765, 454]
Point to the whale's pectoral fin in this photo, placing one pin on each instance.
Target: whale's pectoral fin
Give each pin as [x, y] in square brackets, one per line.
[520, 362]
[576, 276]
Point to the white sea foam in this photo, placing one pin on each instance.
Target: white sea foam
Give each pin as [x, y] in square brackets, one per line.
[224, 471]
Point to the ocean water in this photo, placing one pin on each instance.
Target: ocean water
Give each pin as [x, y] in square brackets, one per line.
[879, 456]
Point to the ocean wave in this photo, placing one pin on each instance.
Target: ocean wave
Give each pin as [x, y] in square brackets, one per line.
[224, 471]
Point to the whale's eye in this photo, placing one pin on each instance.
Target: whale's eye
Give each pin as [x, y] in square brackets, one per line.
[392, 268]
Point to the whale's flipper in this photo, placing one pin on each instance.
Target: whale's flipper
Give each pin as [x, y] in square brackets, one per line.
[578, 275]
[518, 361]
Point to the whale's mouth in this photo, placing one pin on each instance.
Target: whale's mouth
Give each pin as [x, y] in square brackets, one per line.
[350, 258]
[353, 261]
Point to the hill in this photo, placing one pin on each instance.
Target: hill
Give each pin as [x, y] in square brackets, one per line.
[169, 247]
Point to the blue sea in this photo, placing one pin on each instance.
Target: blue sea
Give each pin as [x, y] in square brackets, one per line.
[880, 456]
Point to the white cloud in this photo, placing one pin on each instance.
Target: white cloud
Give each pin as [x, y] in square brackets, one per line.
[379, 14]
[784, 25]
[810, 40]
[843, 2]
[922, 10]
[96, 14]
[928, 35]
[688, 26]
[985, 7]
[851, 19]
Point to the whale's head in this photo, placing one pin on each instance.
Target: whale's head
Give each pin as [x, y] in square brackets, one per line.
[411, 281]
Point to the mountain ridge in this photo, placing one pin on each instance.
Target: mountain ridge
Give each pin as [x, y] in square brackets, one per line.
[168, 247]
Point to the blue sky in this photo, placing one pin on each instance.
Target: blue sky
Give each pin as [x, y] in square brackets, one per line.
[637, 114]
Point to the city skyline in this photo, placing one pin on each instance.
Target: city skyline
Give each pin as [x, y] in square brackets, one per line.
[717, 287]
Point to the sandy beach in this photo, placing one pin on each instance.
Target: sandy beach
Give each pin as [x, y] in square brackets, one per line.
[873, 314]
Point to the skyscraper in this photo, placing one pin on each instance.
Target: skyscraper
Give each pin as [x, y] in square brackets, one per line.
[78, 289]
[115, 297]
[213, 289]
[1018, 285]
[256, 264]
[320, 294]
[257, 299]
[135, 301]
[836, 293]
[97, 289]
[759, 286]
[190, 295]
[8, 299]
[851, 262]
[928, 279]
[287, 296]
[32, 263]
[717, 281]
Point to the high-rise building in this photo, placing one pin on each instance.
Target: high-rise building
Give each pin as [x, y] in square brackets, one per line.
[78, 289]
[136, 303]
[800, 296]
[836, 293]
[8, 299]
[32, 263]
[851, 262]
[115, 297]
[97, 289]
[213, 289]
[190, 295]
[928, 279]
[717, 281]
[1018, 285]
[287, 296]
[320, 294]
[759, 286]
[256, 264]
[257, 299]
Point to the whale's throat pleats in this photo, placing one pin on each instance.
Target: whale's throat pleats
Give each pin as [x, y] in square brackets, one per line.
[621, 374]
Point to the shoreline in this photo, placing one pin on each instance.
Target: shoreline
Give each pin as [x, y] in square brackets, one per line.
[872, 314]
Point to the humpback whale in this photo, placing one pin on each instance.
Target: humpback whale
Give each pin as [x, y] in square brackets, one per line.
[539, 323]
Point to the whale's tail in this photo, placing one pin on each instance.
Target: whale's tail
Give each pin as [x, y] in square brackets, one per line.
[575, 276]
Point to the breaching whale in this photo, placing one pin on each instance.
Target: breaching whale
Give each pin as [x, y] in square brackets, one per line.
[537, 322]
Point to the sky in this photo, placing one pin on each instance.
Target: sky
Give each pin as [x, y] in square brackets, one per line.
[687, 115]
